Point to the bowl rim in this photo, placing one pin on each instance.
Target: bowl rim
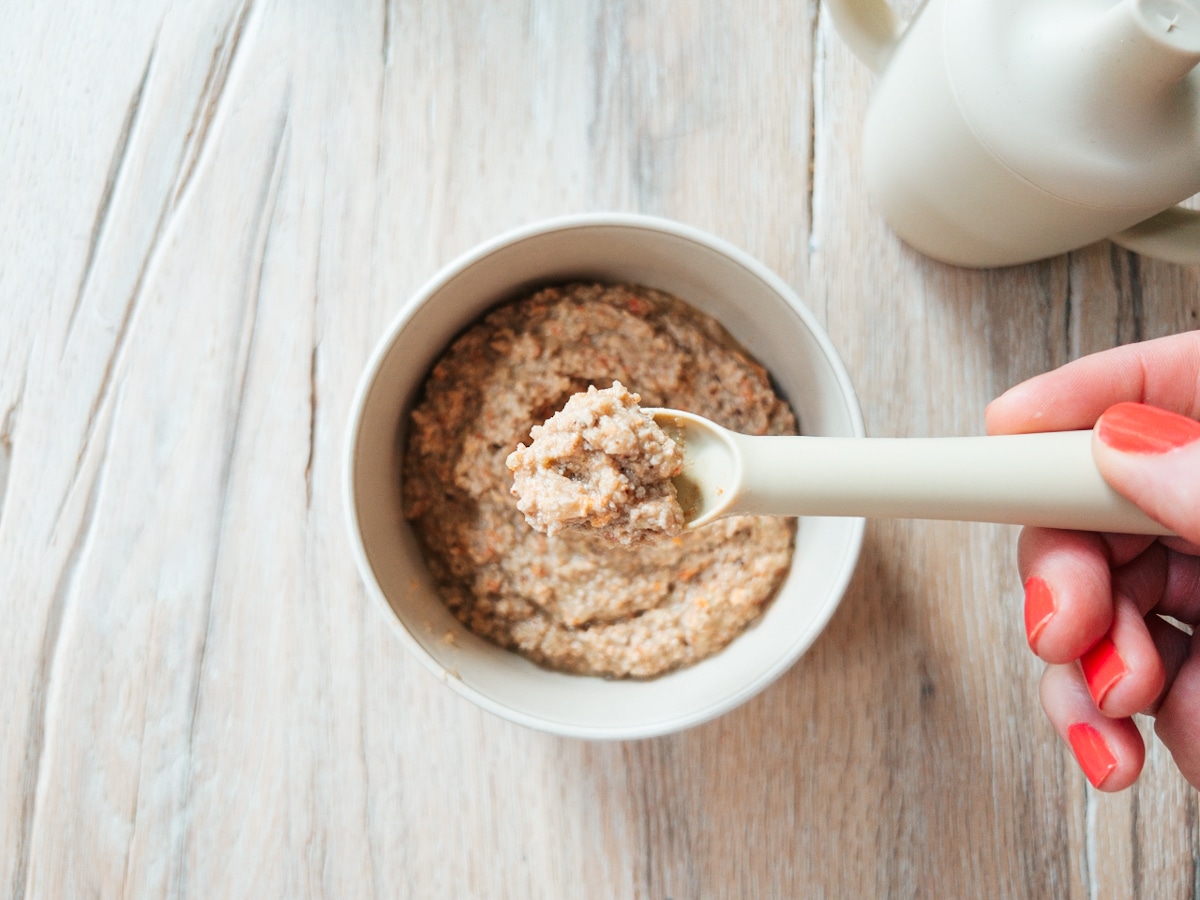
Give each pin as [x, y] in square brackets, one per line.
[382, 348]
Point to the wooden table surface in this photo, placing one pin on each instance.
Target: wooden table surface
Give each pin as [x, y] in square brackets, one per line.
[209, 213]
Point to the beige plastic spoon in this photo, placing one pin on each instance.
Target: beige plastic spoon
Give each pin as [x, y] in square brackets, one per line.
[1029, 479]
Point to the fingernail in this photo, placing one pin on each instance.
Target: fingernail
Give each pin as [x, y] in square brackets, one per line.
[1138, 428]
[1039, 607]
[1090, 748]
[1102, 669]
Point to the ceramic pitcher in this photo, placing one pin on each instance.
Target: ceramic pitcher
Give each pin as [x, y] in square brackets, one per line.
[1005, 131]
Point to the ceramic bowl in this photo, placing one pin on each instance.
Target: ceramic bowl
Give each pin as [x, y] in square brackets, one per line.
[758, 309]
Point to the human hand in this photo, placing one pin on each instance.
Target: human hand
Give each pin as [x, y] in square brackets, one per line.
[1094, 603]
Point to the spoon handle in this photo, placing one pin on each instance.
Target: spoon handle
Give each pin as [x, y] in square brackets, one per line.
[1030, 479]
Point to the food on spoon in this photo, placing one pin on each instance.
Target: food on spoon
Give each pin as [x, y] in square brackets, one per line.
[576, 601]
[600, 462]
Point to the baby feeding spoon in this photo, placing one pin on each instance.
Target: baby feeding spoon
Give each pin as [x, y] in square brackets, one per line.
[1046, 479]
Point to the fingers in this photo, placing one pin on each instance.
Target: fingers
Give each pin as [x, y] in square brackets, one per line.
[1123, 671]
[1088, 596]
[1109, 751]
[1177, 724]
[1163, 372]
[1152, 456]
[1086, 601]
[1181, 597]
[1173, 648]
[1141, 664]
[1068, 588]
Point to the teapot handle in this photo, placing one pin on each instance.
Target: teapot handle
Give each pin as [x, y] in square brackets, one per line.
[869, 28]
[1172, 235]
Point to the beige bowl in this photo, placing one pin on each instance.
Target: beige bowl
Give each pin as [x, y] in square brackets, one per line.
[758, 309]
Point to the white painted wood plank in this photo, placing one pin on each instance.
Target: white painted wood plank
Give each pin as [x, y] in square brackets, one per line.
[211, 213]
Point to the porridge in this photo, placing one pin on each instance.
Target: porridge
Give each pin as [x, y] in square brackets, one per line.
[600, 462]
[576, 601]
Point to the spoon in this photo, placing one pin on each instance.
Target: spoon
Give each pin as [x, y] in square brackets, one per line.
[1046, 479]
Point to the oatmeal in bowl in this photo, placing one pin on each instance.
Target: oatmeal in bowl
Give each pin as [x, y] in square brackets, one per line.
[575, 632]
[588, 600]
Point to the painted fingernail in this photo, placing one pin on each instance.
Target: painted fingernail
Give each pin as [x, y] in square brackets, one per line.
[1090, 748]
[1138, 428]
[1039, 607]
[1102, 669]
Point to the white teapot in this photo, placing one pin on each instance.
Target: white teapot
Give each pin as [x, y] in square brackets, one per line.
[1004, 131]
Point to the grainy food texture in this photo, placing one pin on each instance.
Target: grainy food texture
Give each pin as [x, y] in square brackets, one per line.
[575, 601]
[600, 462]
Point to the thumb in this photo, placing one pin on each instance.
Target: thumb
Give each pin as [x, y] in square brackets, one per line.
[1152, 456]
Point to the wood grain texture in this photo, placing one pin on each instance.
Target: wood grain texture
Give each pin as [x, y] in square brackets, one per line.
[212, 210]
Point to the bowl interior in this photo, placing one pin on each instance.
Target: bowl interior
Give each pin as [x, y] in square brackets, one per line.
[761, 312]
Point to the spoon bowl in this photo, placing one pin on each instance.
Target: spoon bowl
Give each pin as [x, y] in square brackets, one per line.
[708, 486]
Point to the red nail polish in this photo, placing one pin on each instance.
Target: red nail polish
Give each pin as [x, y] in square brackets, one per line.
[1102, 669]
[1039, 608]
[1138, 428]
[1095, 758]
